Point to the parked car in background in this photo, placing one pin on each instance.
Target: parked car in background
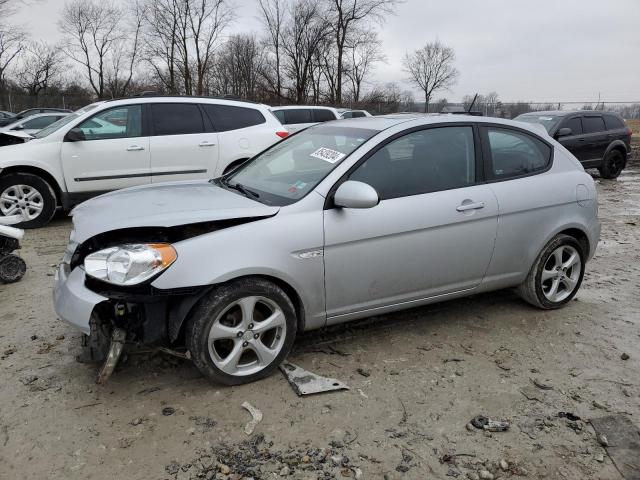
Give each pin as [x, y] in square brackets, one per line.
[299, 117]
[6, 115]
[353, 113]
[22, 131]
[127, 142]
[599, 140]
[341, 221]
[29, 112]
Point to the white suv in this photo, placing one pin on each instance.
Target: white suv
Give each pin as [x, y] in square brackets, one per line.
[128, 142]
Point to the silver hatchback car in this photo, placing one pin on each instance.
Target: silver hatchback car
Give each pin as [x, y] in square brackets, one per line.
[344, 220]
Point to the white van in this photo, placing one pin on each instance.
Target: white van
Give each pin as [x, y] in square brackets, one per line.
[128, 142]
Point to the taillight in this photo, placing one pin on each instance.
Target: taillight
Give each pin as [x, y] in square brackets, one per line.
[629, 131]
[282, 134]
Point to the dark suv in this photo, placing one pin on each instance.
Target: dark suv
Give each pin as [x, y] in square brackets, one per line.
[598, 139]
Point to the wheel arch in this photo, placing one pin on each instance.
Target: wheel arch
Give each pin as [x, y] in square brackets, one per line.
[617, 145]
[580, 236]
[45, 175]
[177, 319]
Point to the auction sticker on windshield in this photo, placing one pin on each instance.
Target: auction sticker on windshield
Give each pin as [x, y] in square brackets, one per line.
[328, 155]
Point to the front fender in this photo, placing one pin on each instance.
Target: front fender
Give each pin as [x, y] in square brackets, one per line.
[271, 247]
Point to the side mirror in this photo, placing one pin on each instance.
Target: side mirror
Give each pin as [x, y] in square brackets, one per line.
[352, 194]
[564, 132]
[18, 127]
[75, 135]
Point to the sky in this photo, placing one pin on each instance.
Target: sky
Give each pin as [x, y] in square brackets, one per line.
[533, 50]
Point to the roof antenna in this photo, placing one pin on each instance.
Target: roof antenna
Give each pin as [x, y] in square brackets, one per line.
[472, 103]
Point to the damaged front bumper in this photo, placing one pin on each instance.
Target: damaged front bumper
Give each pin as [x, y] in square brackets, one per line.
[110, 318]
[73, 301]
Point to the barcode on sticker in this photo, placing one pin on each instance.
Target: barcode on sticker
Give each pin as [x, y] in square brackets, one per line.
[328, 155]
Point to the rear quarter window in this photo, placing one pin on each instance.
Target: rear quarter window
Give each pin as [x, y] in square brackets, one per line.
[515, 154]
[613, 123]
[323, 115]
[228, 117]
[593, 124]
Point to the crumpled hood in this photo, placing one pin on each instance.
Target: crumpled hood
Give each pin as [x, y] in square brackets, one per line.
[163, 205]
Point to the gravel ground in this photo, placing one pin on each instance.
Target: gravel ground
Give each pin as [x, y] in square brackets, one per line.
[417, 379]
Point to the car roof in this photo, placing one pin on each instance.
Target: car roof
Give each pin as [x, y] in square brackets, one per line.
[294, 107]
[564, 113]
[38, 115]
[181, 99]
[382, 122]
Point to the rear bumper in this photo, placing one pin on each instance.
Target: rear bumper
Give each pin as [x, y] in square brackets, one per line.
[73, 302]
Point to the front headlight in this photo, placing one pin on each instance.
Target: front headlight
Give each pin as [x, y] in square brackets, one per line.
[130, 264]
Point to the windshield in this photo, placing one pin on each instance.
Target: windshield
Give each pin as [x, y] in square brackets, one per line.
[64, 121]
[547, 121]
[292, 168]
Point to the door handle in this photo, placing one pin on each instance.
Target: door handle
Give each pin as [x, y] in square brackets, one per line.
[470, 206]
[135, 148]
[207, 144]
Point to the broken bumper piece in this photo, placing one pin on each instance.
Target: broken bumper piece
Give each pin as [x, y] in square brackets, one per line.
[73, 302]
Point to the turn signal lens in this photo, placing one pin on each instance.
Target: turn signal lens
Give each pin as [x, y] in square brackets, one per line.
[282, 134]
[130, 264]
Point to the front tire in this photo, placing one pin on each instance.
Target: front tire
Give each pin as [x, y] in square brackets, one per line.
[556, 274]
[612, 165]
[240, 332]
[27, 195]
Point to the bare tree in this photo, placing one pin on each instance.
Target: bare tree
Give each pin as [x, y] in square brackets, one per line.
[12, 38]
[273, 17]
[91, 30]
[431, 68]
[237, 68]
[206, 21]
[41, 66]
[347, 16]
[365, 52]
[180, 37]
[160, 42]
[123, 61]
[306, 30]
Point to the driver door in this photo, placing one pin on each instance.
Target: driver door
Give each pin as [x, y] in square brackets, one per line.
[114, 153]
[432, 233]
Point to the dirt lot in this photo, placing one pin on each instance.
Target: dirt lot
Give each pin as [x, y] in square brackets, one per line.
[424, 375]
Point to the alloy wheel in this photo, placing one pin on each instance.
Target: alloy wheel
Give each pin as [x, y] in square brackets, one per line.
[561, 273]
[247, 336]
[21, 199]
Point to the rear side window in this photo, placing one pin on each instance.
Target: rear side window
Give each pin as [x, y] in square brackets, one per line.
[593, 124]
[575, 124]
[227, 117]
[613, 123]
[176, 119]
[515, 153]
[297, 115]
[323, 115]
[358, 114]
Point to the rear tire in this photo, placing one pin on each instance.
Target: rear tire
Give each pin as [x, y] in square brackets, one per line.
[27, 194]
[612, 165]
[556, 275]
[240, 332]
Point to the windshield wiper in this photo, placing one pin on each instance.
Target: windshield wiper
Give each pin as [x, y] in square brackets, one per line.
[241, 188]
